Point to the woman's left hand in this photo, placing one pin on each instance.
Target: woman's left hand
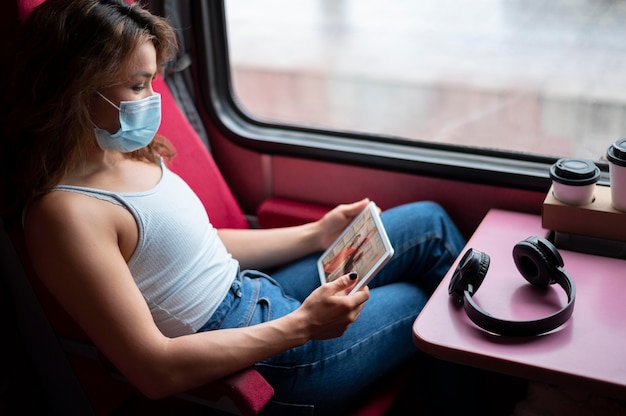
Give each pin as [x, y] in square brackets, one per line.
[335, 221]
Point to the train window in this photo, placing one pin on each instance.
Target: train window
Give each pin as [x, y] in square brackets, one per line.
[536, 78]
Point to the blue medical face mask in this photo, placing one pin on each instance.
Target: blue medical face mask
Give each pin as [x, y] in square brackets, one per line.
[139, 121]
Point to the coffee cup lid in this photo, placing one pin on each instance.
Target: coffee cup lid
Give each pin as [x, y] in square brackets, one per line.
[617, 153]
[576, 172]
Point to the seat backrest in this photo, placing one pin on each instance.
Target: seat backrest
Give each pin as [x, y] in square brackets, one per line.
[25, 6]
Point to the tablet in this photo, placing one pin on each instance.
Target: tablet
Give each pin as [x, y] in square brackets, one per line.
[363, 247]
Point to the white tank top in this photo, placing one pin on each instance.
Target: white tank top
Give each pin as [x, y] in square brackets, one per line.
[180, 265]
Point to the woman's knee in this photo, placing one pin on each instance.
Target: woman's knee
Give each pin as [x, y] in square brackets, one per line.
[419, 218]
[416, 211]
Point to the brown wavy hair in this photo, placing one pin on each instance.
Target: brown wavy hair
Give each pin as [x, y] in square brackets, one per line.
[64, 53]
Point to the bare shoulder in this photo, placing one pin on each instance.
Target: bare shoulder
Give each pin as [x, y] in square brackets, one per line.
[57, 209]
[70, 220]
[73, 245]
[61, 228]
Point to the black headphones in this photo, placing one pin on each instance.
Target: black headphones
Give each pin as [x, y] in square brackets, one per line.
[539, 261]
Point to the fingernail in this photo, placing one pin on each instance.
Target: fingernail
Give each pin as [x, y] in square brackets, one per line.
[353, 276]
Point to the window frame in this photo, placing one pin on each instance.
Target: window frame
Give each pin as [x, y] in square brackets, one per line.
[460, 163]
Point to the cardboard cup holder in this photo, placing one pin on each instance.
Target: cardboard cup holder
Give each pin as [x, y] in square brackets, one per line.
[596, 219]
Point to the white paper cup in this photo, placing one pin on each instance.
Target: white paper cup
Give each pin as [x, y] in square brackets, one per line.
[574, 180]
[617, 173]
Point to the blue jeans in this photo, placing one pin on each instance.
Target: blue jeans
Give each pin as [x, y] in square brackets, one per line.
[331, 374]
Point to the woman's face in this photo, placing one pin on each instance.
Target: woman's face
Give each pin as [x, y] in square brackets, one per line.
[135, 83]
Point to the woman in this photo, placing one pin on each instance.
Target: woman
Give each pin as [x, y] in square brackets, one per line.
[127, 249]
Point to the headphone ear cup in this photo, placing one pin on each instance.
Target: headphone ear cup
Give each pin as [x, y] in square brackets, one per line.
[469, 274]
[537, 260]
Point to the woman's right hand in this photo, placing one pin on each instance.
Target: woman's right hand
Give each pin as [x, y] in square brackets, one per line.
[328, 311]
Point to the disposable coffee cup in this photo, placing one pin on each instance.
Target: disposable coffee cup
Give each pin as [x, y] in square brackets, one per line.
[617, 173]
[574, 180]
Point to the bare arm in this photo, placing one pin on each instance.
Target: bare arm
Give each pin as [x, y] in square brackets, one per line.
[263, 248]
[80, 261]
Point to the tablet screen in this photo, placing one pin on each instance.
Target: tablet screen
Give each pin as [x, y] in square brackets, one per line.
[363, 248]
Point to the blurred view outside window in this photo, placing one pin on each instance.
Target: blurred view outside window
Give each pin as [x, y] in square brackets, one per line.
[545, 77]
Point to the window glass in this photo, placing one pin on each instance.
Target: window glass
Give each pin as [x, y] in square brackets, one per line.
[545, 78]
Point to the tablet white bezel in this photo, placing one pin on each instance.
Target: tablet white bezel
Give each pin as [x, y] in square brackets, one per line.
[367, 222]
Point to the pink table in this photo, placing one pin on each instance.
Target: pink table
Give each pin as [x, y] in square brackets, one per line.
[589, 351]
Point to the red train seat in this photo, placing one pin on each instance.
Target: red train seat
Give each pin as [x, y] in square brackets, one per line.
[75, 382]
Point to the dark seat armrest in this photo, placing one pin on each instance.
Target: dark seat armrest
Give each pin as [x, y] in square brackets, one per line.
[245, 392]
